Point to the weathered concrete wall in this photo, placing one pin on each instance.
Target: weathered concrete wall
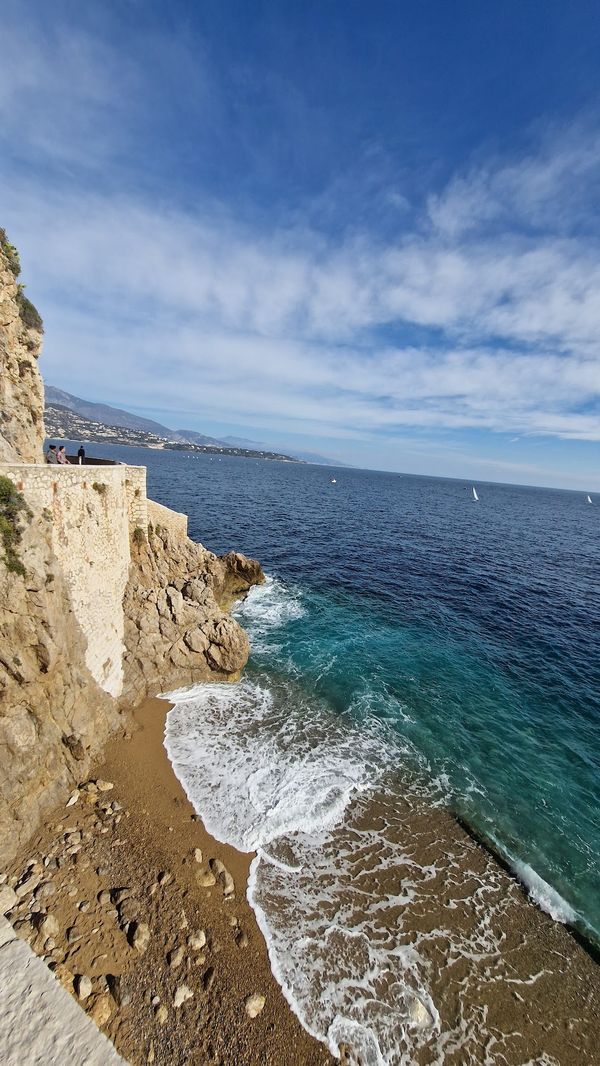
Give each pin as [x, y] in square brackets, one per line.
[92, 510]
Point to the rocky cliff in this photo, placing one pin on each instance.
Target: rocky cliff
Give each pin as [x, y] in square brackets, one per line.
[176, 629]
[21, 387]
[55, 715]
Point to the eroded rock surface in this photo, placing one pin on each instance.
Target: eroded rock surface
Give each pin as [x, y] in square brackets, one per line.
[176, 629]
[21, 387]
[54, 717]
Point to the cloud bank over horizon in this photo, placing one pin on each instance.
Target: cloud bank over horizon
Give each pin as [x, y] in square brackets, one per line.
[467, 324]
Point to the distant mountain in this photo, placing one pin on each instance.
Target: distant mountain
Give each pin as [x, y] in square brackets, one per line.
[64, 424]
[103, 412]
[199, 438]
[107, 416]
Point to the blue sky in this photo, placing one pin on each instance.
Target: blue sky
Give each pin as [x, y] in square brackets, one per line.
[366, 229]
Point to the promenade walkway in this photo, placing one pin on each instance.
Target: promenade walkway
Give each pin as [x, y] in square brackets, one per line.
[40, 1023]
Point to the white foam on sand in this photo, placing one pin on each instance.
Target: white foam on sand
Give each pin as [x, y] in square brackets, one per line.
[272, 771]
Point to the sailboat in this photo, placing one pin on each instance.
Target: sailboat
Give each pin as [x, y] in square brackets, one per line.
[475, 496]
[589, 499]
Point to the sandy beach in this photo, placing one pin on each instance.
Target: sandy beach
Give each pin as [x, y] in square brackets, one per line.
[132, 932]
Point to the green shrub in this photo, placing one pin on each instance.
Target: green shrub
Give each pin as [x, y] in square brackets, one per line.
[139, 537]
[100, 487]
[12, 509]
[11, 254]
[29, 314]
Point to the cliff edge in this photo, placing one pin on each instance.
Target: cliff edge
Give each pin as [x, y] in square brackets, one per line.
[21, 386]
[98, 606]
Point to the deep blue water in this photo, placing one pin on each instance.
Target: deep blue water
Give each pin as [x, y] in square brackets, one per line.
[472, 627]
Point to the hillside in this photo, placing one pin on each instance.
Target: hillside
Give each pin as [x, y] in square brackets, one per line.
[65, 424]
[117, 419]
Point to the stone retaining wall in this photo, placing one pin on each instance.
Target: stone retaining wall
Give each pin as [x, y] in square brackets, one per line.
[94, 509]
[174, 522]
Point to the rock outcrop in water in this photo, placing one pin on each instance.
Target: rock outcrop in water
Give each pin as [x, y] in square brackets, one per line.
[54, 715]
[176, 629]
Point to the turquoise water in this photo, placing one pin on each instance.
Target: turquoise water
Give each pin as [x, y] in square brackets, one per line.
[469, 630]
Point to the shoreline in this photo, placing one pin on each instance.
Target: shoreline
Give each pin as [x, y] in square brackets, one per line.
[125, 856]
[117, 871]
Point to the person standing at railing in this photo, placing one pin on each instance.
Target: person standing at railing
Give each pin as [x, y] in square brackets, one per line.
[81, 454]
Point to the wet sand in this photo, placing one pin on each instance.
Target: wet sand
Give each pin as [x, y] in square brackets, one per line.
[508, 985]
[137, 864]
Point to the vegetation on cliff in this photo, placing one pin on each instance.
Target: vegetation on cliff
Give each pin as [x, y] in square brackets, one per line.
[29, 314]
[12, 510]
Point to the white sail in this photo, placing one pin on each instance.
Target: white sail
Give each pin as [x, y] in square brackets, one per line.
[589, 499]
[475, 496]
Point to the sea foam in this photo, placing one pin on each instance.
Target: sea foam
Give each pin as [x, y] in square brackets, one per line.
[272, 768]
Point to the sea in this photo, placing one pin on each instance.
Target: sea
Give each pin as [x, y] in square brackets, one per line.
[413, 752]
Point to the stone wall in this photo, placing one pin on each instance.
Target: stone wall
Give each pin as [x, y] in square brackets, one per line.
[175, 523]
[93, 510]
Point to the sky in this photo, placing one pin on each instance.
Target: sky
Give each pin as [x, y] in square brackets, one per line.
[366, 229]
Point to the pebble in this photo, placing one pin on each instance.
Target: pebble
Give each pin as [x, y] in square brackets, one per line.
[220, 870]
[182, 993]
[47, 926]
[161, 1014]
[72, 798]
[27, 887]
[103, 897]
[241, 939]
[254, 1005]
[175, 958]
[8, 899]
[118, 990]
[84, 906]
[197, 940]
[102, 871]
[83, 986]
[101, 1009]
[150, 1057]
[205, 879]
[198, 854]
[140, 937]
[73, 935]
[164, 877]
[419, 1014]
[47, 888]
[119, 894]
[104, 786]
[208, 979]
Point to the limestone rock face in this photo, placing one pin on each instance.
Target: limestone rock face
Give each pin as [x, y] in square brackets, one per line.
[176, 629]
[21, 387]
[54, 717]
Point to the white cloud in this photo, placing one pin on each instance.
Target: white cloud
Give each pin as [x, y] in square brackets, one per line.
[484, 314]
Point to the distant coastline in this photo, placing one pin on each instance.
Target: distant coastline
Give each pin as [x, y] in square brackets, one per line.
[63, 424]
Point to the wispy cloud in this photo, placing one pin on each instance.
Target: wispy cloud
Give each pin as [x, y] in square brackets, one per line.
[482, 313]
